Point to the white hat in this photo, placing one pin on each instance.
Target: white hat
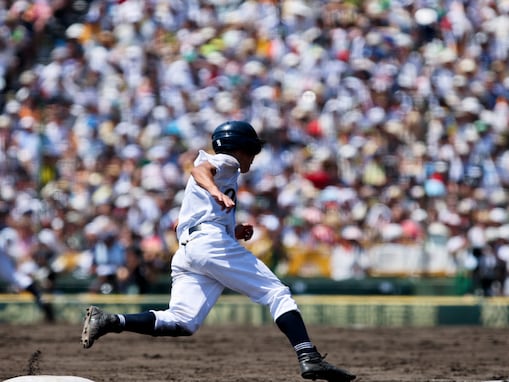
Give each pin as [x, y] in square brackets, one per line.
[419, 215]
[498, 197]
[467, 65]
[123, 201]
[503, 232]
[426, 16]
[131, 151]
[75, 31]
[157, 152]
[491, 234]
[5, 121]
[470, 105]
[498, 215]
[438, 229]
[47, 237]
[392, 231]
[351, 232]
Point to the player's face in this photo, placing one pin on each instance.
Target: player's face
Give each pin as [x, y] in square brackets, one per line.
[245, 161]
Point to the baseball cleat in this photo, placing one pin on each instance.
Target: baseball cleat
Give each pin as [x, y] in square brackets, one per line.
[98, 323]
[313, 366]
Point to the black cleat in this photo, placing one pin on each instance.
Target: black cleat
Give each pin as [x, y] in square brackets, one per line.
[97, 324]
[313, 366]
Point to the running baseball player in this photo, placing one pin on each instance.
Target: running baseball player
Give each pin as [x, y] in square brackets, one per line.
[211, 258]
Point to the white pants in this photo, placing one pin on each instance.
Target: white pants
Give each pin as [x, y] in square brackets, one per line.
[11, 275]
[209, 262]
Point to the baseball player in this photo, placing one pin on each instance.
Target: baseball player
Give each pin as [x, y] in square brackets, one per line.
[211, 258]
[18, 280]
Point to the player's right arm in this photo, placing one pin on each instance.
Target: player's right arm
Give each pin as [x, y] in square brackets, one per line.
[203, 174]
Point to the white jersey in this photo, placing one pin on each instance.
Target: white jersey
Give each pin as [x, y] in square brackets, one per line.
[211, 258]
[8, 271]
[199, 206]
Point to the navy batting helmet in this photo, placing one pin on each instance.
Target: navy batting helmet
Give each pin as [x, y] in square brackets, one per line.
[236, 135]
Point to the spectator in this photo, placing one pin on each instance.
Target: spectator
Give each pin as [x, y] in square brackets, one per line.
[108, 256]
[367, 98]
[132, 278]
[349, 258]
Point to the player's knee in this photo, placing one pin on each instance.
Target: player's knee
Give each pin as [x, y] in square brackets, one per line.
[174, 330]
[182, 331]
[167, 324]
[281, 301]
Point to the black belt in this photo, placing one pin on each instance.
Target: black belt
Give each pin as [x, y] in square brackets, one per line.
[194, 228]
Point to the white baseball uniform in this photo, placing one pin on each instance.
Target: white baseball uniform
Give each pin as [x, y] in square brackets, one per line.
[210, 258]
[8, 271]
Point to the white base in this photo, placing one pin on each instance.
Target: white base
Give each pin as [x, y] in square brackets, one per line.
[48, 378]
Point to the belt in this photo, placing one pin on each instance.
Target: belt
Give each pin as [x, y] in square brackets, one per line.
[194, 228]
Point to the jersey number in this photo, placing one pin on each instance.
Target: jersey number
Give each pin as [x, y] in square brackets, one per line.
[231, 194]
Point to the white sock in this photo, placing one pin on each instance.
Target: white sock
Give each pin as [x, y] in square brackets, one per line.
[303, 346]
[121, 319]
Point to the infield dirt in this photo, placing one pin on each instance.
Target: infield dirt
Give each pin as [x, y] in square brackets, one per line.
[257, 354]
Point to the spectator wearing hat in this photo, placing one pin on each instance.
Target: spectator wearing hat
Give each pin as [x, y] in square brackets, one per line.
[107, 254]
[349, 259]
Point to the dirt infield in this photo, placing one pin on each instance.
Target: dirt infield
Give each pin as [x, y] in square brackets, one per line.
[256, 354]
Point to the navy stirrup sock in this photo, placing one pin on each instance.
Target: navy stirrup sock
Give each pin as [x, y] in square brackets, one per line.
[292, 325]
[143, 323]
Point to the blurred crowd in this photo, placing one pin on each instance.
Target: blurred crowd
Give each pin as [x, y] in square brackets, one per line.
[386, 124]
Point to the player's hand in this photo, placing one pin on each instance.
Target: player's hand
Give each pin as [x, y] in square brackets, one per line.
[244, 231]
[224, 201]
[203, 174]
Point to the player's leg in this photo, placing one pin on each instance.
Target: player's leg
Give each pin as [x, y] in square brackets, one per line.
[311, 362]
[239, 270]
[192, 297]
[290, 322]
